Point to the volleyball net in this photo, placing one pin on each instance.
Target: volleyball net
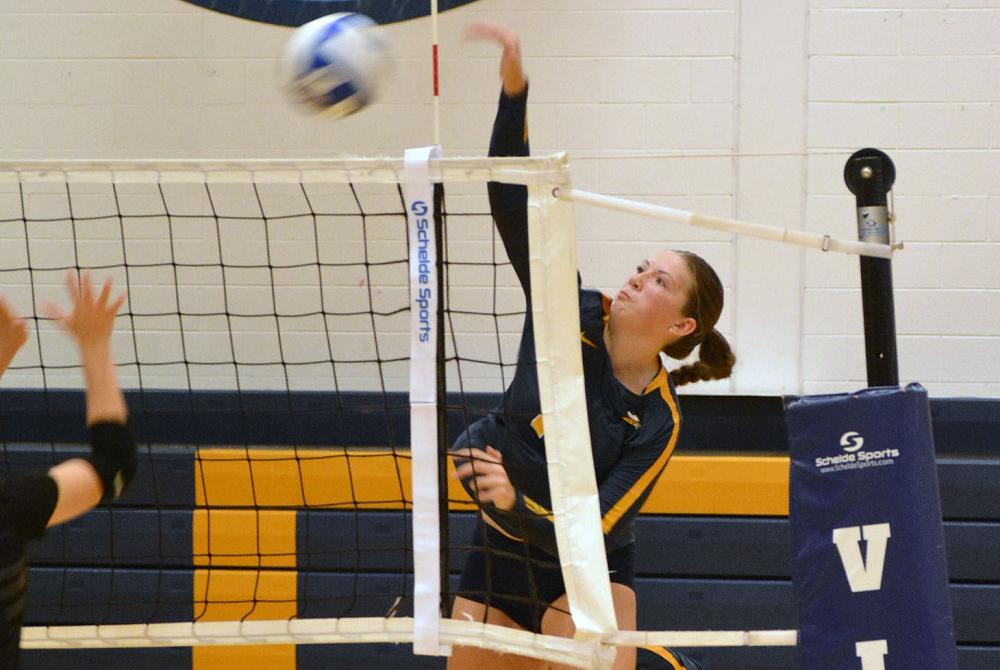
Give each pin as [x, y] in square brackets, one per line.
[294, 423]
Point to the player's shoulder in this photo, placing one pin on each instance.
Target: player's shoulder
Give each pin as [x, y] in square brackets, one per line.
[595, 301]
[26, 504]
[661, 391]
[593, 311]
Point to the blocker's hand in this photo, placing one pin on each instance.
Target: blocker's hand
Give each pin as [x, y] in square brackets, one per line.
[92, 317]
[13, 333]
[487, 477]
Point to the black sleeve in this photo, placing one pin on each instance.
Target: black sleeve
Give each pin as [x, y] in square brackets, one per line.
[26, 505]
[113, 456]
[509, 202]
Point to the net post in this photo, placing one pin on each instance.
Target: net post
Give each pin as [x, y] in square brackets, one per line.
[869, 174]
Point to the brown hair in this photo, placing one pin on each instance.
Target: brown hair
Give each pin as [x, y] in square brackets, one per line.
[704, 305]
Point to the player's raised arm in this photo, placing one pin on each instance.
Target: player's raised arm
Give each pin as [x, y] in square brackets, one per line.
[511, 69]
[112, 462]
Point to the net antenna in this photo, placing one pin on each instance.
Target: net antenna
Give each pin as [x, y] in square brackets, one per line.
[434, 64]
[265, 351]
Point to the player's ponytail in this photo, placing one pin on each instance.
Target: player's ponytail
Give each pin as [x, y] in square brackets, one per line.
[715, 361]
[704, 304]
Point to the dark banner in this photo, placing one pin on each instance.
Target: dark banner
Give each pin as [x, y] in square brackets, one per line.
[869, 563]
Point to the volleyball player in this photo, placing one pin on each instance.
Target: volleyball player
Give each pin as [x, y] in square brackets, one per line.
[669, 305]
[31, 502]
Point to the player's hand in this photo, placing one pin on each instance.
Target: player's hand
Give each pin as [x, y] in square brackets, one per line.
[511, 69]
[92, 317]
[487, 478]
[13, 333]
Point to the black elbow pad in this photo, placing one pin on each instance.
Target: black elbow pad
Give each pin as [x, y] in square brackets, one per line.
[113, 456]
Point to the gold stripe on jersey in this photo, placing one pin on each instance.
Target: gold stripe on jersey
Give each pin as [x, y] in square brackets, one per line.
[632, 420]
[613, 515]
[665, 655]
[538, 426]
[536, 508]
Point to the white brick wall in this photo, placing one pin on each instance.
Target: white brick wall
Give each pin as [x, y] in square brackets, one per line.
[746, 109]
[919, 80]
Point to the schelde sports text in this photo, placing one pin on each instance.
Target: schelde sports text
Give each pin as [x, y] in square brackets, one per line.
[859, 457]
[424, 261]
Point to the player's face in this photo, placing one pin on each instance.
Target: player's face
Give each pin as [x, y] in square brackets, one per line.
[653, 297]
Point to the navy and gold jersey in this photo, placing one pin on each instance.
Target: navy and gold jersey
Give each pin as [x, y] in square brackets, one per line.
[632, 435]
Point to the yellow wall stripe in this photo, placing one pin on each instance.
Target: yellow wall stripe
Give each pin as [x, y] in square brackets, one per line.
[243, 657]
[226, 539]
[751, 485]
[727, 485]
[244, 538]
[234, 595]
[331, 478]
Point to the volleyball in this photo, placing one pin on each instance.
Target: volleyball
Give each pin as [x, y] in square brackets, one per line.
[335, 64]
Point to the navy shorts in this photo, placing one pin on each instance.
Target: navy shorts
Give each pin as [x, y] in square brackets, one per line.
[521, 580]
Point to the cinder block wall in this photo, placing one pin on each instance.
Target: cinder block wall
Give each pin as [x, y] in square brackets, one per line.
[745, 109]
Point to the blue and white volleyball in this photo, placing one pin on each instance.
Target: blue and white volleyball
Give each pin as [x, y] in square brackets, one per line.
[336, 63]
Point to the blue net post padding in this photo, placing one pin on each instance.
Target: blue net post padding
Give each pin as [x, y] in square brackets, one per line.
[869, 559]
